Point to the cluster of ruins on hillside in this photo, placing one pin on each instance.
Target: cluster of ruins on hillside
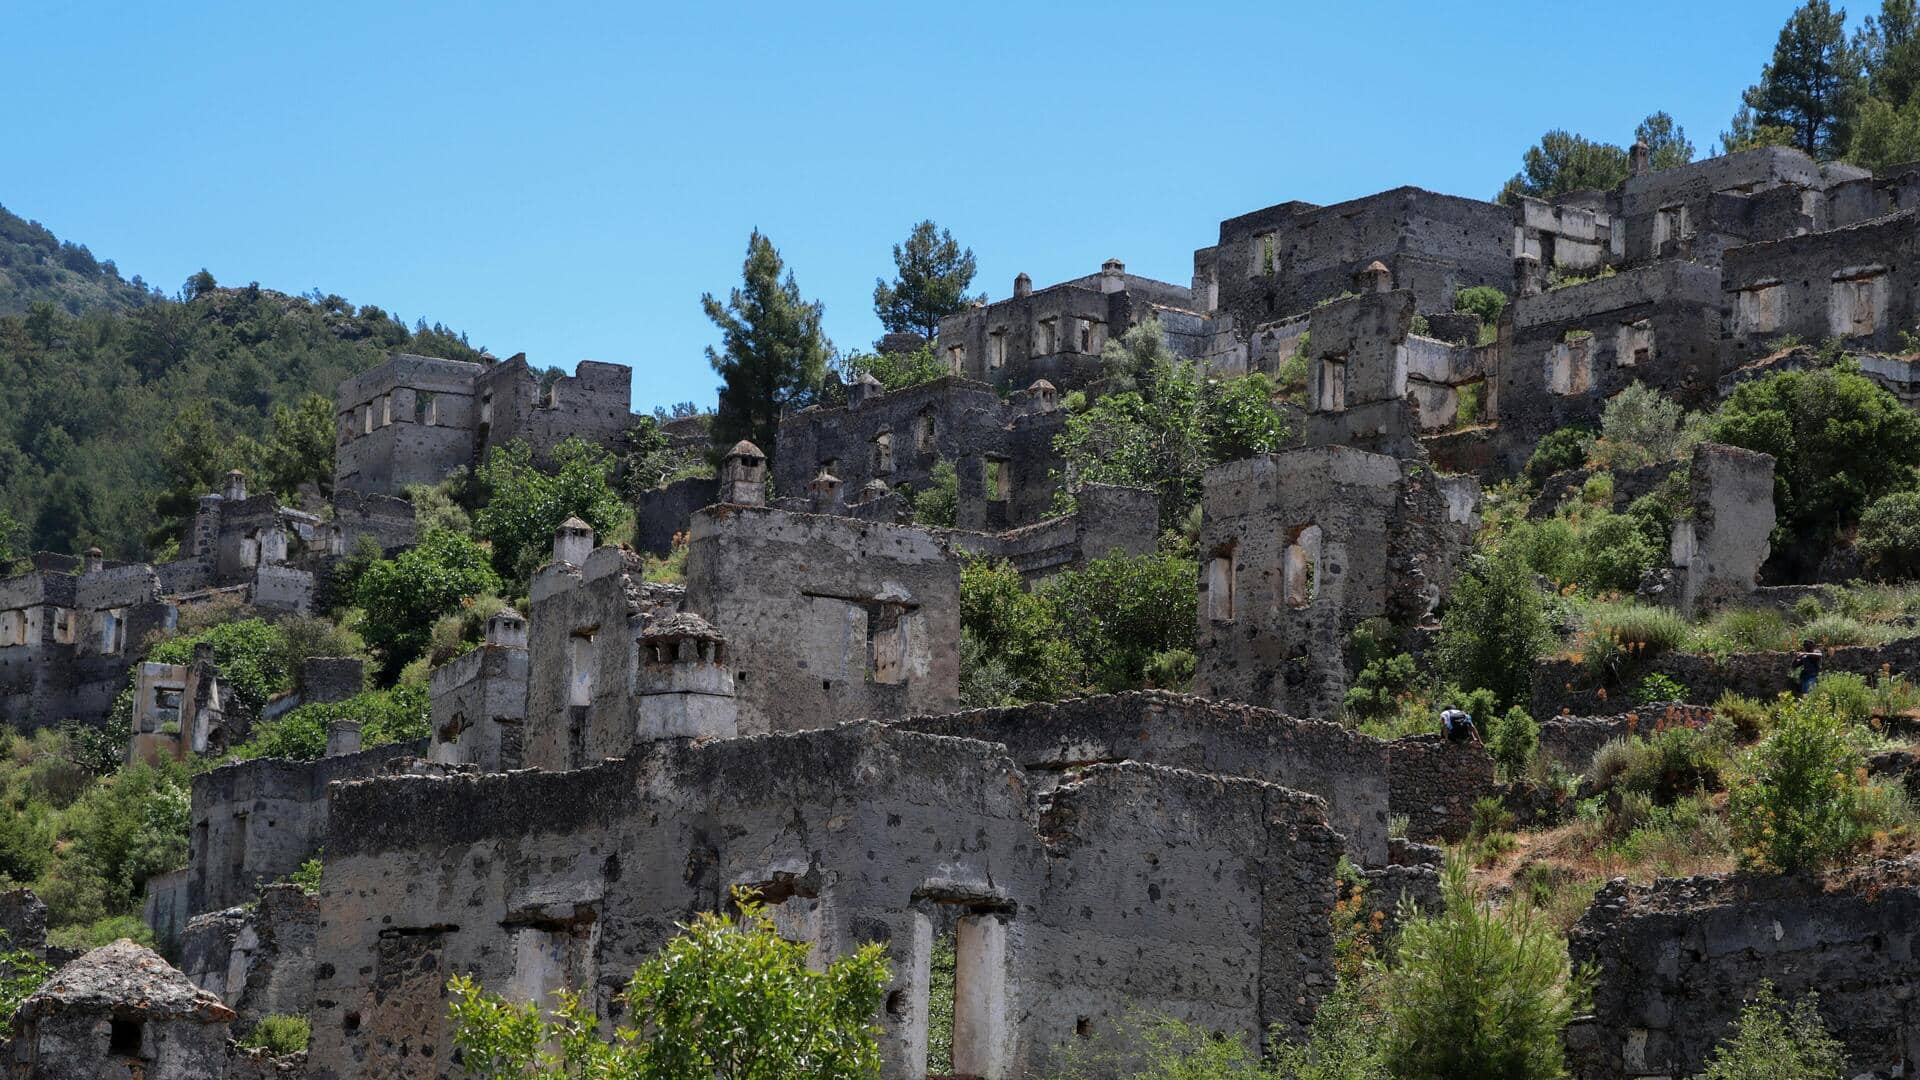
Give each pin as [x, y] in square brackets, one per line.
[623, 754]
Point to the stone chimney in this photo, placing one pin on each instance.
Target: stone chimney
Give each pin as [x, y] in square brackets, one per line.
[343, 737]
[743, 476]
[1022, 285]
[1526, 275]
[1639, 159]
[683, 686]
[573, 542]
[864, 388]
[96, 561]
[1043, 396]
[1113, 276]
[507, 629]
[875, 488]
[823, 492]
[1376, 278]
[236, 488]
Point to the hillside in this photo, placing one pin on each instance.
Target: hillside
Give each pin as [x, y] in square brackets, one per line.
[36, 266]
[88, 400]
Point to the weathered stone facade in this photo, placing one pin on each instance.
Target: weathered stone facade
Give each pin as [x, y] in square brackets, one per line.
[1676, 960]
[1297, 549]
[867, 833]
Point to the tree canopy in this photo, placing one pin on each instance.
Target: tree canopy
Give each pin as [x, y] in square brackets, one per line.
[930, 282]
[772, 356]
[1809, 86]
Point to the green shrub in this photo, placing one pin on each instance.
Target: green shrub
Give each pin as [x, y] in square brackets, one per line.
[1620, 636]
[1613, 552]
[385, 716]
[1846, 695]
[939, 504]
[1796, 809]
[1659, 687]
[1738, 630]
[404, 596]
[1512, 740]
[1478, 991]
[1889, 535]
[525, 504]
[1833, 629]
[105, 931]
[252, 654]
[1676, 762]
[1744, 718]
[279, 1035]
[1550, 547]
[1117, 613]
[307, 878]
[1494, 625]
[1641, 426]
[1774, 1041]
[1613, 760]
[1171, 670]
[1559, 451]
[726, 997]
[1482, 300]
[1380, 687]
[1012, 646]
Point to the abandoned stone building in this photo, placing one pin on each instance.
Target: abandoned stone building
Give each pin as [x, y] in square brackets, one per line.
[415, 419]
[1056, 333]
[1298, 549]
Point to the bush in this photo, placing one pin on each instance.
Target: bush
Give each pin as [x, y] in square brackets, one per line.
[1017, 651]
[1674, 762]
[726, 997]
[279, 1035]
[1619, 636]
[1744, 718]
[1641, 426]
[1118, 612]
[1478, 991]
[1796, 809]
[105, 931]
[1482, 300]
[405, 595]
[1772, 1041]
[1613, 552]
[1494, 626]
[385, 716]
[1737, 630]
[526, 504]
[1513, 739]
[1380, 688]
[1659, 687]
[1839, 443]
[252, 654]
[939, 504]
[1889, 536]
[1557, 452]
[1833, 629]
[1845, 695]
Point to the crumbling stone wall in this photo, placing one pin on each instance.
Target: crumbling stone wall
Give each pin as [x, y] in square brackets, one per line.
[591, 404]
[1297, 549]
[257, 821]
[258, 960]
[1052, 742]
[1720, 547]
[1107, 520]
[479, 706]
[1056, 333]
[582, 623]
[1286, 258]
[1135, 885]
[1435, 784]
[663, 513]
[1573, 740]
[1677, 959]
[1572, 349]
[69, 637]
[828, 618]
[1855, 283]
[898, 439]
[1561, 685]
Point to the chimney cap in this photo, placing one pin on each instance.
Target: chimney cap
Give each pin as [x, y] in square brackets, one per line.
[1377, 267]
[573, 524]
[1041, 385]
[681, 626]
[744, 448]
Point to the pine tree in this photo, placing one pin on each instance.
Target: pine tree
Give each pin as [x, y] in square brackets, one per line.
[772, 354]
[1667, 143]
[1888, 48]
[1810, 85]
[931, 283]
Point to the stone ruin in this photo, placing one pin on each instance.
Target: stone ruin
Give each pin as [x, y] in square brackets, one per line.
[625, 753]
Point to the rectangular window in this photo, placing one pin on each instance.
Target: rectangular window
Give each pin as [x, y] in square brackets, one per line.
[1333, 384]
[1758, 308]
[997, 349]
[113, 631]
[64, 628]
[386, 409]
[1261, 256]
[580, 667]
[957, 359]
[1300, 566]
[13, 627]
[999, 479]
[889, 635]
[1669, 227]
[366, 418]
[1633, 345]
[1857, 303]
[1570, 367]
[927, 431]
[1220, 586]
[486, 408]
[1049, 335]
[883, 453]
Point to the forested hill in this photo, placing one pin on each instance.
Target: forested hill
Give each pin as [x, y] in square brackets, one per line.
[112, 418]
[36, 266]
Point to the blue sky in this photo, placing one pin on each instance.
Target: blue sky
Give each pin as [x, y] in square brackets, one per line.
[567, 179]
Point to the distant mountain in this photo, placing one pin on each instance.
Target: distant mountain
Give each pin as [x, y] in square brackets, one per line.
[36, 265]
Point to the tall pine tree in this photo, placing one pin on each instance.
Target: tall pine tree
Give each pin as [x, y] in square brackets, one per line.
[1810, 87]
[931, 283]
[772, 354]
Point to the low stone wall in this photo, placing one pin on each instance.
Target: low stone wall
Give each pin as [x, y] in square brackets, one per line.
[1676, 960]
[1435, 784]
[258, 960]
[1566, 687]
[1572, 740]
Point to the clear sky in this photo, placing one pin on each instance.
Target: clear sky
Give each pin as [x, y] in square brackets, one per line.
[567, 179]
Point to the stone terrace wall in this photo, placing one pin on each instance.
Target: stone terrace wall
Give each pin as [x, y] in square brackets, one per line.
[1566, 686]
[1435, 784]
[1573, 739]
[1054, 741]
[1677, 959]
